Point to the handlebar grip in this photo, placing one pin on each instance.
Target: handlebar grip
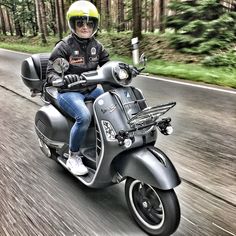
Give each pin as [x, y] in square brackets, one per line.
[76, 83]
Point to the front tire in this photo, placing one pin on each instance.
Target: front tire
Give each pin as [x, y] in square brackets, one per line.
[156, 211]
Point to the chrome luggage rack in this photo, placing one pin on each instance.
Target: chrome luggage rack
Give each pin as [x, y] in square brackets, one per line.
[150, 114]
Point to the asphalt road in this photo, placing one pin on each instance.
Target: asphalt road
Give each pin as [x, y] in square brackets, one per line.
[38, 197]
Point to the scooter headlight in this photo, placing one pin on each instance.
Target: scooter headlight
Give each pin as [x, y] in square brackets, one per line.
[121, 74]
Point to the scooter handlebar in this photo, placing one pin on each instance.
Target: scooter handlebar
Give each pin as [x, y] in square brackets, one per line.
[76, 83]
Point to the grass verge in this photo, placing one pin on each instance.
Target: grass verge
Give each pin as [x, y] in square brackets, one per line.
[223, 76]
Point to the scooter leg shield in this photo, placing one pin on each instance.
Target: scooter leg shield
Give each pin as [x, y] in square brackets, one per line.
[149, 165]
[52, 127]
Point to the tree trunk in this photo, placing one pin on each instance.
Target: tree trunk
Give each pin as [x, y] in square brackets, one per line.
[3, 23]
[39, 17]
[98, 5]
[162, 16]
[36, 19]
[107, 16]
[146, 16]
[16, 22]
[152, 16]
[121, 20]
[52, 23]
[62, 14]
[23, 27]
[137, 10]
[32, 22]
[43, 16]
[58, 20]
[9, 22]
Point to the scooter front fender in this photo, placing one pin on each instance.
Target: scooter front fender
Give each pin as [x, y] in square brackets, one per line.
[149, 165]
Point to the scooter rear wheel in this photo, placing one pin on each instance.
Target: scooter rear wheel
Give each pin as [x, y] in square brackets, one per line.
[156, 211]
[48, 151]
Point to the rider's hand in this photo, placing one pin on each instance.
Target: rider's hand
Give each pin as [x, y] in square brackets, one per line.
[69, 79]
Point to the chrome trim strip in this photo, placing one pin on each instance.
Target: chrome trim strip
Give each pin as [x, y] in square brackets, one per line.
[48, 141]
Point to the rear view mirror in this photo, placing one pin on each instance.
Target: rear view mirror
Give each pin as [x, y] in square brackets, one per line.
[143, 60]
[60, 65]
[135, 52]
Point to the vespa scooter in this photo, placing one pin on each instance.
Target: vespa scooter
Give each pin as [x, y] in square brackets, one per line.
[119, 144]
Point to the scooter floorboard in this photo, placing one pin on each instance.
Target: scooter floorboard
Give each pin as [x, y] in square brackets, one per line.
[87, 178]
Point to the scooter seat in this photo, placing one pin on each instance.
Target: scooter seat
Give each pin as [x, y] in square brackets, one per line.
[51, 94]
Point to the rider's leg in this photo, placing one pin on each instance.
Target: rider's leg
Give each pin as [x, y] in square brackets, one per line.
[73, 104]
[95, 93]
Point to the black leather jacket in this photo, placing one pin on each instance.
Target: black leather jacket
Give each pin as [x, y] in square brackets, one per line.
[82, 54]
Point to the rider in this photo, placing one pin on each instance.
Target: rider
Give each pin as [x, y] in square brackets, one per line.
[84, 53]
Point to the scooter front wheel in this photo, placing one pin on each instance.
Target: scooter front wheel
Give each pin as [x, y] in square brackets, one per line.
[156, 211]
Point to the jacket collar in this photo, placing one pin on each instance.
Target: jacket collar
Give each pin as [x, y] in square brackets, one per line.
[81, 40]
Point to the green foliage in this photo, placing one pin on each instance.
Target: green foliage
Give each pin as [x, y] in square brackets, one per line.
[195, 28]
[22, 11]
[222, 59]
[171, 63]
[201, 26]
[220, 76]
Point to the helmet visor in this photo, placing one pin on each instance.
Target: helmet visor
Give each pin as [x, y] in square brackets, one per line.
[79, 22]
[82, 23]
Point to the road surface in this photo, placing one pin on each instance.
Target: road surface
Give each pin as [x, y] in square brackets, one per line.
[38, 197]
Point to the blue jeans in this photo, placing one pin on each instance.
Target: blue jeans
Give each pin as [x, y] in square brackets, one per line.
[73, 104]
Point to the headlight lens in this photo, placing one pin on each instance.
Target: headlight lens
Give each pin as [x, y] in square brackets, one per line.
[123, 74]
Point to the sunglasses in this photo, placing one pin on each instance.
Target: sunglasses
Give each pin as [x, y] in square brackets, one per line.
[81, 23]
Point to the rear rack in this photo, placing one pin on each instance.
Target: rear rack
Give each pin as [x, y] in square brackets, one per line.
[150, 114]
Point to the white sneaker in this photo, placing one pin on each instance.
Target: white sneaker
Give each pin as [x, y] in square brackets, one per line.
[76, 166]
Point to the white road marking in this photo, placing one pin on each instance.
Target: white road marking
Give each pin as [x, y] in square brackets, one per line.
[223, 229]
[8, 50]
[190, 84]
[188, 220]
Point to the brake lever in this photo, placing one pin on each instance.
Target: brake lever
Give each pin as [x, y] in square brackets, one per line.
[140, 70]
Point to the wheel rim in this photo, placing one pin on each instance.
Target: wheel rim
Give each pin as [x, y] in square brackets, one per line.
[146, 205]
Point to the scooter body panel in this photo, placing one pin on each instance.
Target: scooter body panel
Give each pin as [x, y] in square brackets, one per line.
[53, 128]
[110, 119]
[52, 125]
[149, 165]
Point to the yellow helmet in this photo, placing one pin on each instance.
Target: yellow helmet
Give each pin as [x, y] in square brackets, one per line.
[81, 12]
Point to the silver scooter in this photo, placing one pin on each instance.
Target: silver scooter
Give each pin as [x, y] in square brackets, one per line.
[119, 144]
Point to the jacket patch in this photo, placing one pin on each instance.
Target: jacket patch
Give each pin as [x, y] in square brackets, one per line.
[76, 60]
[93, 51]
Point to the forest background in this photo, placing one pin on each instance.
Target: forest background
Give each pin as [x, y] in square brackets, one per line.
[187, 39]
